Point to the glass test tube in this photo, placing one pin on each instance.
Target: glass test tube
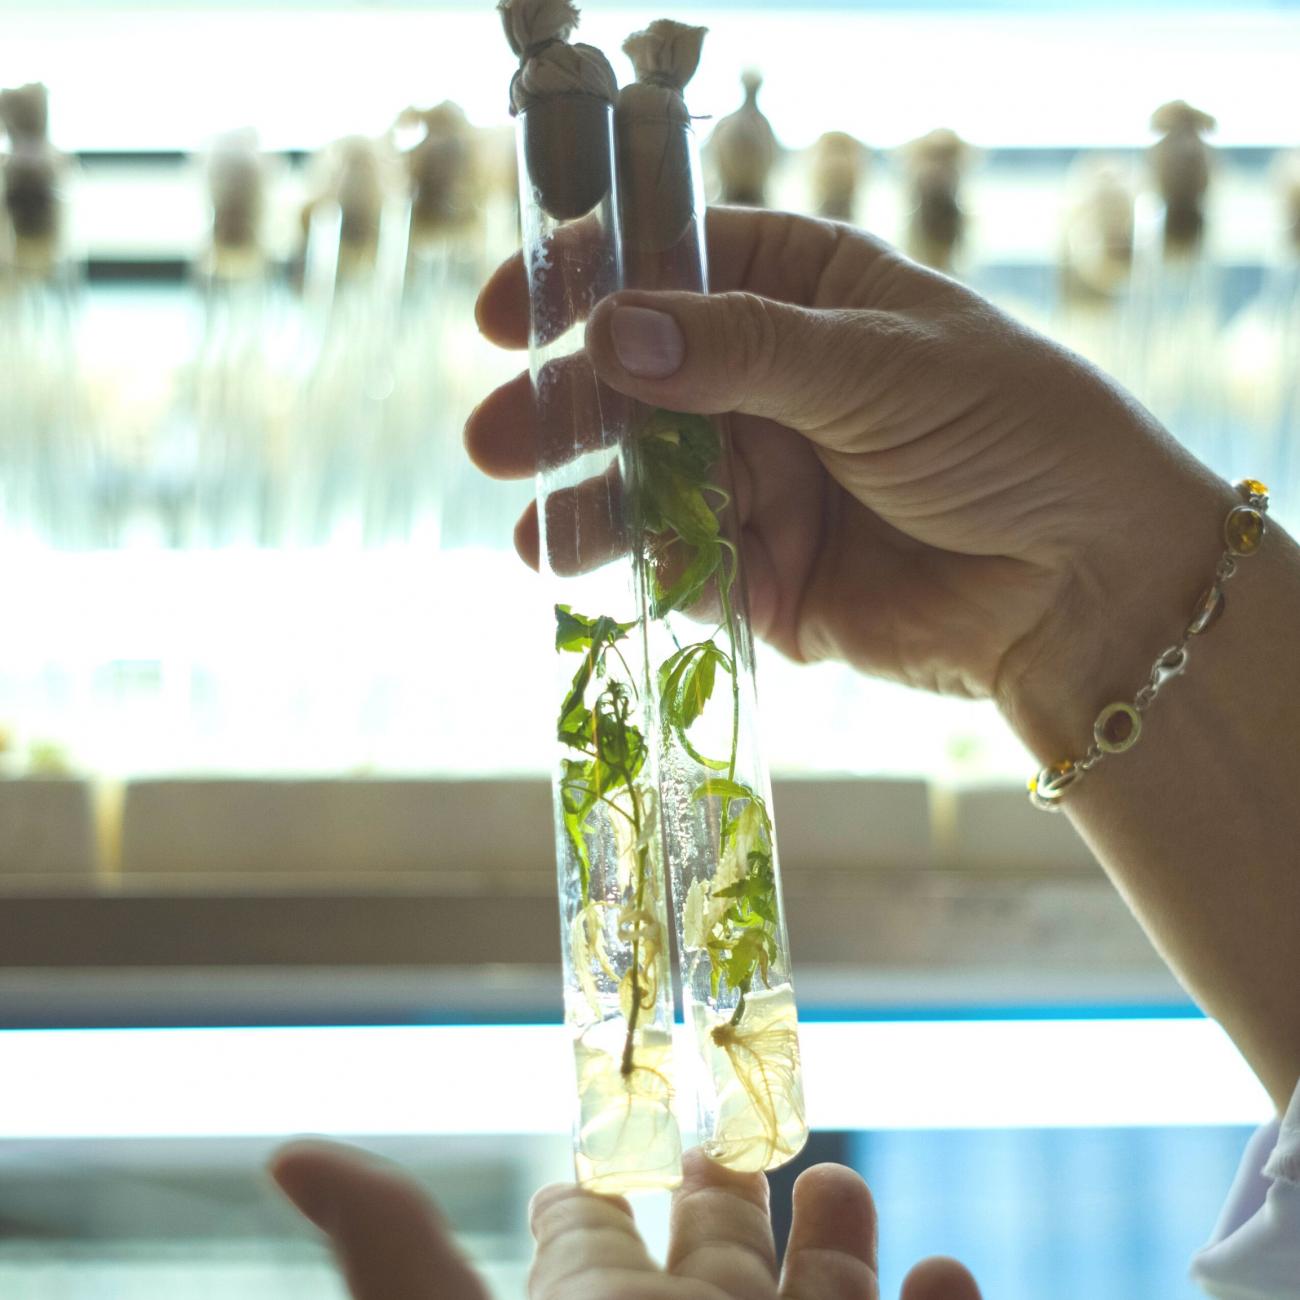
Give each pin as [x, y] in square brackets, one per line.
[717, 802]
[609, 844]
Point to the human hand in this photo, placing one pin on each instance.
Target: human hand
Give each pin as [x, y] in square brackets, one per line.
[926, 489]
[393, 1245]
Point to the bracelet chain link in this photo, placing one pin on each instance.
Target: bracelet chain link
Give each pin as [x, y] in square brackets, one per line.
[1119, 725]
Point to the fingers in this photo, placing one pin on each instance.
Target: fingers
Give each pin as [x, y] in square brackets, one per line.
[568, 413]
[779, 255]
[502, 308]
[547, 290]
[586, 1244]
[748, 249]
[831, 1253]
[390, 1239]
[809, 370]
[585, 524]
[500, 434]
[939, 1279]
[721, 1231]
[528, 537]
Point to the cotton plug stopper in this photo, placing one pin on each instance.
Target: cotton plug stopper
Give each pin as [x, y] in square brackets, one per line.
[565, 94]
[657, 178]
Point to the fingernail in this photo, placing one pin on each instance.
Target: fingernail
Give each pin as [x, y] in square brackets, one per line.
[649, 344]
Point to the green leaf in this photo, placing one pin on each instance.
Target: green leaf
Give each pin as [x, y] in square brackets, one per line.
[686, 681]
[696, 687]
[572, 631]
[591, 637]
[691, 581]
[693, 438]
[720, 787]
[577, 633]
[615, 748]
[674, 460]
[575, 717]
[620, 746]
[575, 724]
[577, 798]
[688, 514]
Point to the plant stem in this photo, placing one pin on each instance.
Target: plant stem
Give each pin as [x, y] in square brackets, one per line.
[631, 677]
[729, 618]
[634, 1014]
[740, 1006]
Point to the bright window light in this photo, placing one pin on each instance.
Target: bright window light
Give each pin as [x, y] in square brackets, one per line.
[160, 76]
[390, 1081]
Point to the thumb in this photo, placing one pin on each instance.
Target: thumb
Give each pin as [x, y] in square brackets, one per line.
[710, 353]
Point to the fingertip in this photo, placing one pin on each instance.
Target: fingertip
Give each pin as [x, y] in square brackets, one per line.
[635, 340]
[289, 1155]
[291, 1170]
[699, 1172]
[834, 1211]
[940, 1278]
[309, 1171]
[542, 1200]
[829, 1187]
[547, 1198]
[528, 541]
[501, 310]
[499, 433]
[309, 1154]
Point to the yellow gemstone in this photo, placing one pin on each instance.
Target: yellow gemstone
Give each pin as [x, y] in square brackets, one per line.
[1251, 487]
[1243, 530]
[1052, 781]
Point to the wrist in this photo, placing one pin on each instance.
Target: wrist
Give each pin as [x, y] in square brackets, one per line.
[1130, 586]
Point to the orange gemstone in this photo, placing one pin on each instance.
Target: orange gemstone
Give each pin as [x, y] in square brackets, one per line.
[1243, 530]
[1208, 609]
[1052, 781]
[1252, 487]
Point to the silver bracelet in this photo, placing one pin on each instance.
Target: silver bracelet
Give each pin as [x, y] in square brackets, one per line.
[1119, 725]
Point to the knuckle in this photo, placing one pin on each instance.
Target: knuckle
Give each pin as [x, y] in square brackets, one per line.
[577, 1212]
[900, 342]
[747, 336]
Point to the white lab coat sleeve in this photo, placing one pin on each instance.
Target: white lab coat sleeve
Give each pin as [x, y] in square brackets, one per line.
[1254, 1251]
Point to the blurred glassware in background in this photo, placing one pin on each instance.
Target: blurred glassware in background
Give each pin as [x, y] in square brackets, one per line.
[838, 170]
[239, 531]
[1172, 353]
[44, 457]
[936, 225]
[1262, 350]
[743, 150]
